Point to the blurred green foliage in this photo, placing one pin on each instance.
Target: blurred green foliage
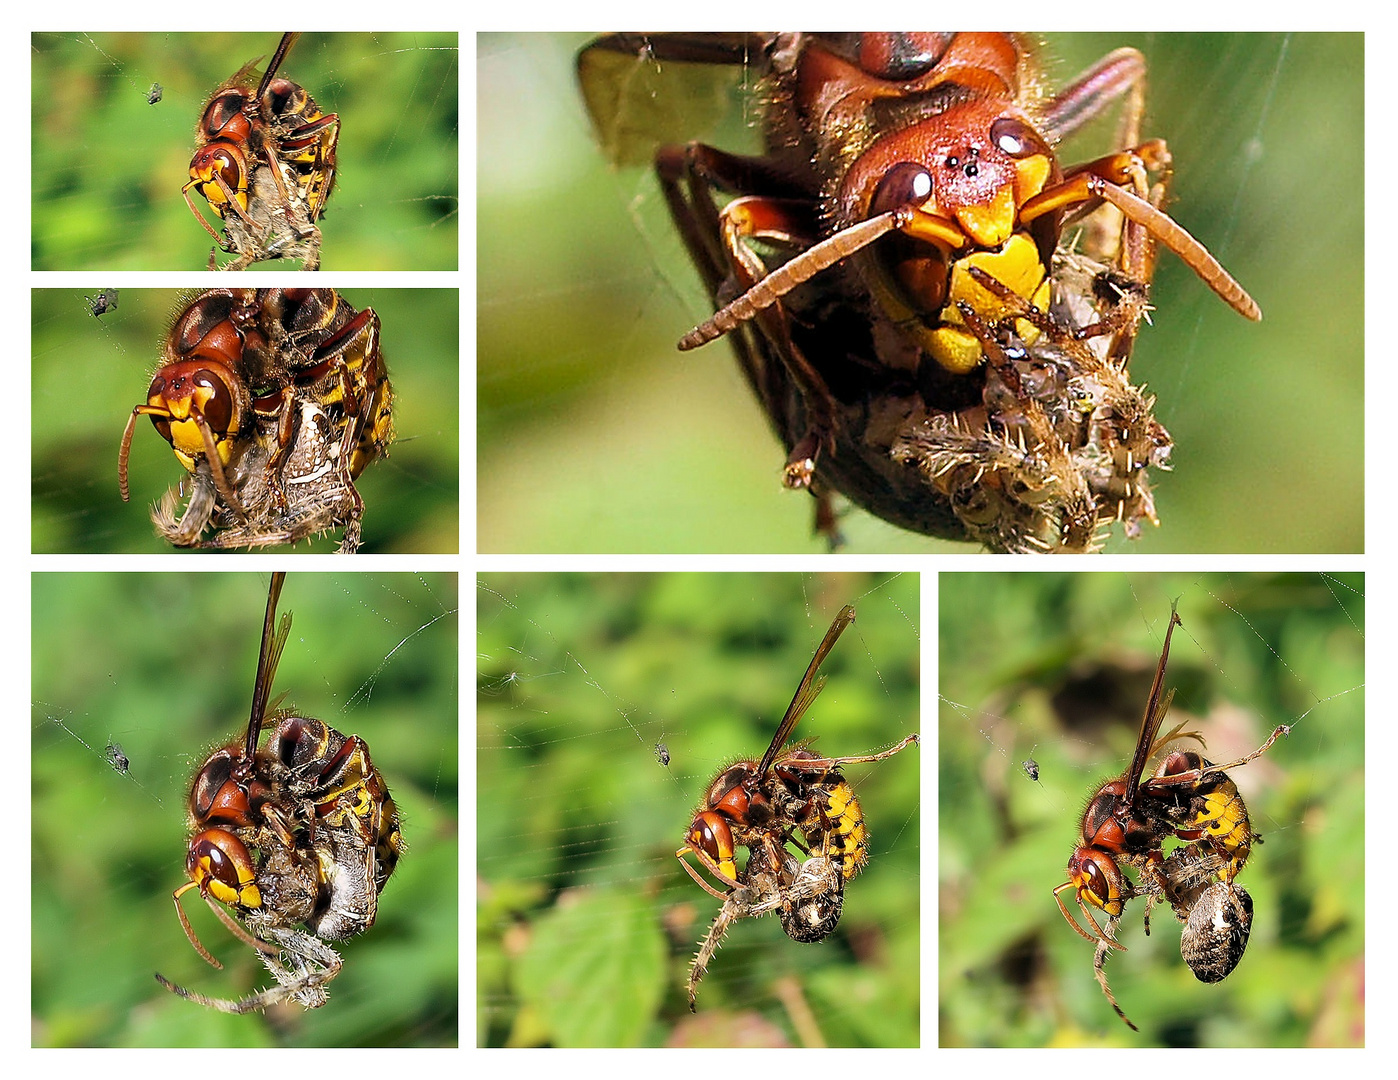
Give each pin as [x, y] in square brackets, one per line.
[108, 166]
[585, 921]
[88, 373]
[1058, 667]
[164, 665]
[582, 298]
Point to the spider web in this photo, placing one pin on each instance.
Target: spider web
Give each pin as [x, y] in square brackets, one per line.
[564, 409]
[163, 665]
[108, 166]
[1057, 668]
[586, 924]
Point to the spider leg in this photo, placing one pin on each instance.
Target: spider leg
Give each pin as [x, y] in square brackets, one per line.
[735, 907]
[314, 965]
[1099, 959]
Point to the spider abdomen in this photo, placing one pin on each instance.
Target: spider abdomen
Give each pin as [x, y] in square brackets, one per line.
[1216, 935]
[818, 901]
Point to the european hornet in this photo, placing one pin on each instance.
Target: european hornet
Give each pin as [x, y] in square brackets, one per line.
[1188, 798]
[274, 400]
[897, 276]
[302, 831]
[265, 163]
[762, 806]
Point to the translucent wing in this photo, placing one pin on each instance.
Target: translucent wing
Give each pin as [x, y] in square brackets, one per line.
[808, 690]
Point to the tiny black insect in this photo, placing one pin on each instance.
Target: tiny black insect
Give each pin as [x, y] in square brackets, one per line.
[103, 302]
[117, 759]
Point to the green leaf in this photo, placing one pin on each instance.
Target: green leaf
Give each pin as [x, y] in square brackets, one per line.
[595, 969]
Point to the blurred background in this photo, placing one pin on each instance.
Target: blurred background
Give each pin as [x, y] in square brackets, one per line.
[410, 497]
[108, 166]
[163, 666]
[586, 923]
[584, 290]
[1057, 668]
